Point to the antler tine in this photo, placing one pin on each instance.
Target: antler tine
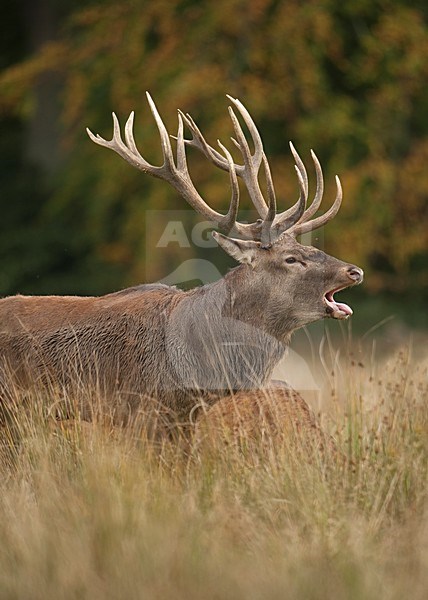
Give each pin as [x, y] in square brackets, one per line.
[285, 220]
[230, 218]
[129, 135]
[301, 203]
[254, 132]
[292, 215]
[270, 190]
[309, 212]
[181, 149]
[198, 141]
[251, 165]
[164, 136]
[306, 226]
[127, 151]
[312, 209]
[300, 165]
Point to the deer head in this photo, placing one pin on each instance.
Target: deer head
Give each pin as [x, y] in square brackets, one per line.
[293, 283]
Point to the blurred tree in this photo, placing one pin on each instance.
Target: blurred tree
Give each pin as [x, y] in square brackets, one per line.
[348, 79]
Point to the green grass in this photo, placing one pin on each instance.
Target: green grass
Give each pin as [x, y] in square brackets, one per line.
[91, 512]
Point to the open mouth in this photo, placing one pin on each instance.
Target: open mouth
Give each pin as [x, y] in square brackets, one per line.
[336, 310]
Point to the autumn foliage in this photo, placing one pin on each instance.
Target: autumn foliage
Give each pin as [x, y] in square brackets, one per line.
[345, 78]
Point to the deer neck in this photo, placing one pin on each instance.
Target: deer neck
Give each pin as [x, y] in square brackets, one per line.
[250, 302]
[221, 344]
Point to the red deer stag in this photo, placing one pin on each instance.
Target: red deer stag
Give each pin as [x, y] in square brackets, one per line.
[157, 341]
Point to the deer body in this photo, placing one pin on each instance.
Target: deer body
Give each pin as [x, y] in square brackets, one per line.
[153, 340]
[176, 346]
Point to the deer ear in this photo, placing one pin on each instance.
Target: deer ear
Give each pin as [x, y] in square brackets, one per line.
[244, 251]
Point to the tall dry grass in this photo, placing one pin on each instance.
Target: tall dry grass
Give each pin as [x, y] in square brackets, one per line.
[90, 511]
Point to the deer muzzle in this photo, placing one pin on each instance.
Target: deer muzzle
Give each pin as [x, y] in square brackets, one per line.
[340, 310]
[355, 274]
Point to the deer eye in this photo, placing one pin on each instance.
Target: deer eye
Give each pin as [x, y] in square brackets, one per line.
[290, 260]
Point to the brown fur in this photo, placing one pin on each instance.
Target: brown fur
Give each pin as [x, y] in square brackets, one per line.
[274, 414]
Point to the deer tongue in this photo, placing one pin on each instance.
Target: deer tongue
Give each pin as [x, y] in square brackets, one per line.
[338, 310]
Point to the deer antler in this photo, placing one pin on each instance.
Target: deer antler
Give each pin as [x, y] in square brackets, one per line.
[295, 220]
[177, 174]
